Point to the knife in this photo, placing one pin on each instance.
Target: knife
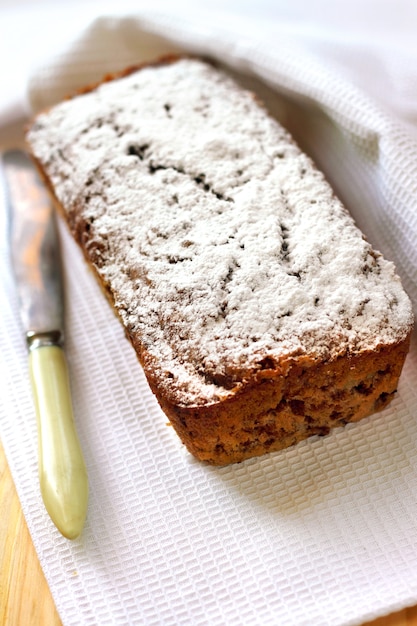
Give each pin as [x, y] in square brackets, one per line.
[36, 263]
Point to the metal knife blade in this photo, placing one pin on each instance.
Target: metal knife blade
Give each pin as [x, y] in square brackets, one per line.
[36, 263]
[34, 247]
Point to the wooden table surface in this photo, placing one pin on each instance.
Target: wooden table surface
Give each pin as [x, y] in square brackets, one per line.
[25, 599]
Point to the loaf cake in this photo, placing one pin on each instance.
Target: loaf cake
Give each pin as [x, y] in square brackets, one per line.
[259, 312]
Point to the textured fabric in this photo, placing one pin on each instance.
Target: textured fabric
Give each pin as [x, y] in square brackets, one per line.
[322, 533]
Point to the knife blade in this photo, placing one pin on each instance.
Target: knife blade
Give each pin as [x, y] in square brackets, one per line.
[36, 262]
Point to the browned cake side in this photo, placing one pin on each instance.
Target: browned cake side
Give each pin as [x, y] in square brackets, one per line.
[280, 408]
[259, 312]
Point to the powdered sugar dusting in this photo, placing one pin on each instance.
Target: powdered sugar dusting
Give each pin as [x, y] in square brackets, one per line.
[220, 241]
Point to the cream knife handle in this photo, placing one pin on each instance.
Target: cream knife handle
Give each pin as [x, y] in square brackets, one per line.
[62, 471]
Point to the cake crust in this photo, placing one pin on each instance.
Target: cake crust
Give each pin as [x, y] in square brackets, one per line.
[259, 312]
[275, 411]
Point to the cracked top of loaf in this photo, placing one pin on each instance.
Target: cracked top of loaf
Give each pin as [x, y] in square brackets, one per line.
[224, 248]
